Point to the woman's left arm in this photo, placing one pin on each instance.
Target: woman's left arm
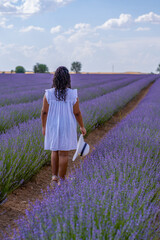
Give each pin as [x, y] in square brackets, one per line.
[44, 113]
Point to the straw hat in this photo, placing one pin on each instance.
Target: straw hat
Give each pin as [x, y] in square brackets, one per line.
[82, 148]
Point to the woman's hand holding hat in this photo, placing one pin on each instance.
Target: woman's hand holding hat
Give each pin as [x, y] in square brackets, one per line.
[83, 130]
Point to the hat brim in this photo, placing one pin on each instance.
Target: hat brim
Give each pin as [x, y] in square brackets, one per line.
[80, 141]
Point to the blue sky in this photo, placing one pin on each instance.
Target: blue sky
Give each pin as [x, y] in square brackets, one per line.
[98, 33]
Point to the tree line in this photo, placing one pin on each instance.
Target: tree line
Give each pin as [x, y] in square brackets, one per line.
[42, 68]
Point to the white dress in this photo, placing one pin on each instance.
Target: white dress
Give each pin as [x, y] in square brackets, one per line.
[61, 125]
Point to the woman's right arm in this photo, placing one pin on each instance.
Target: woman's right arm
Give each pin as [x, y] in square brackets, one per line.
[78, 117]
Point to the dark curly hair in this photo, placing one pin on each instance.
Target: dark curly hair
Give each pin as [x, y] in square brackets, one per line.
[61, 81]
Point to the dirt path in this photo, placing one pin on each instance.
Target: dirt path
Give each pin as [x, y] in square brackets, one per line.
[17, 201]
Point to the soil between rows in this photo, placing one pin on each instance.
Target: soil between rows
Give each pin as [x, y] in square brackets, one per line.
[17, 201]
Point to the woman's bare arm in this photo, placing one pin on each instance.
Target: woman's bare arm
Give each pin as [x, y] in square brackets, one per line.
[44, 112]
[78, 117]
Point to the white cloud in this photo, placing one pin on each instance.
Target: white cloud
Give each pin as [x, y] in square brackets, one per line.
[87, 50]
[77, 35]
[26, 8]
[29, 7]
[79, 31]
[28, 51]
[4, 25]
[142, 29]
[82, 26]
[78, 44]
[149, 17]
[123, 21]
[22, 8]
[5, 49]
[59, 1]
[69, 31]
[30, 28]
[44, 52]
[8, 7]
[62, 44]
[55, 29]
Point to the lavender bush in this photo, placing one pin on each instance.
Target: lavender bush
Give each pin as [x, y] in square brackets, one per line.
[115, 193]
[11, 83]
[21, 148]
[22, 155]
[17, 113]
[100, 109]
[21, 97]
[102, 89]
[81, 81]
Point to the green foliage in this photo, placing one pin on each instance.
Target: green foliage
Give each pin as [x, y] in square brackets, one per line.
[12, 71]
[40, 68]
[76, 67]
[20, 69]
[158, 68]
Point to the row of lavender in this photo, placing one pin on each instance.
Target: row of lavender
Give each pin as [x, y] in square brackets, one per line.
[25, 88]
[115, 193]
[28, 82]
[16, 113]
[22, 147]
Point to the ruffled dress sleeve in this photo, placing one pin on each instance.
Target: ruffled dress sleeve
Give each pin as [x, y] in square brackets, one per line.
[47, 95]
[75, 96]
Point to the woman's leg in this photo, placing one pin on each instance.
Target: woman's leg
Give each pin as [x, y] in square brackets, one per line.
[63, 163]
[54, 162]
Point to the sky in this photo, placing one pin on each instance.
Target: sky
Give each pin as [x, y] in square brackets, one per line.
[104, 35]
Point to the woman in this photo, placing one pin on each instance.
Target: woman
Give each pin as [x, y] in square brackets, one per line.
[59, 113]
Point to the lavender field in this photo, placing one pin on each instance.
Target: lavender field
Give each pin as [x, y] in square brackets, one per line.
[118, 198]
[115, 193]
[21, 146]
[22, 106]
